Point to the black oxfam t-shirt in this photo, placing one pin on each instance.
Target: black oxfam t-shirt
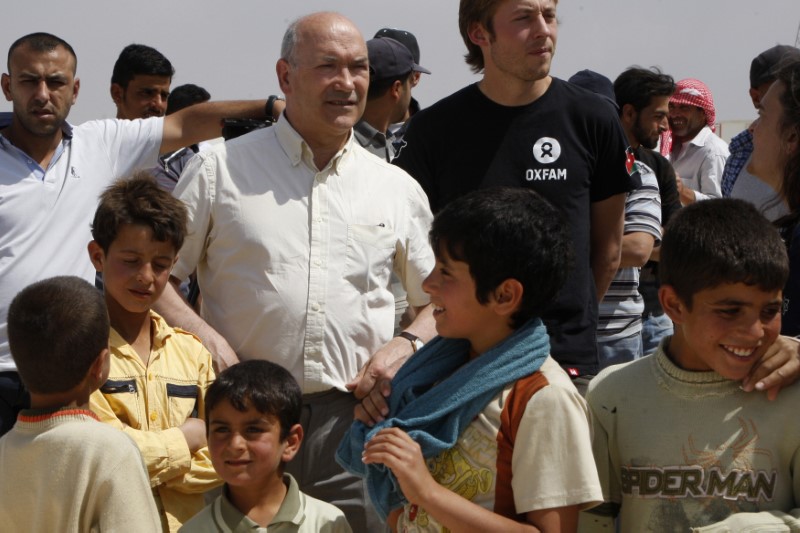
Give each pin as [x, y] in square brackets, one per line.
[568, 145]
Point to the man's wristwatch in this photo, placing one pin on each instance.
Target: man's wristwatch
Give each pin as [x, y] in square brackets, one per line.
[416, 342]
[269, 108]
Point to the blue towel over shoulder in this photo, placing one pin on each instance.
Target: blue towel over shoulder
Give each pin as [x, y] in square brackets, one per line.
[436, 394]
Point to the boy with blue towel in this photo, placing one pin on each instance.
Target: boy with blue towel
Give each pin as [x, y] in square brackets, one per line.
[484, 431]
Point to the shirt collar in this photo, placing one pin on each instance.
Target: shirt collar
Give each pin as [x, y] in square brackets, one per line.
[291, 510]
[159, 328]
[742, 140]
[297, 149]
[700, 138]
[366, 135]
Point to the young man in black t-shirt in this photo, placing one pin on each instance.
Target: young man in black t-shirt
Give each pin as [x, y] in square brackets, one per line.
[519, 126]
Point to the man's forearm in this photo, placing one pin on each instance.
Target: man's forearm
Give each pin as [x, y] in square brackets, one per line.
[177, 312]
[423, 325]
[603, 270]
[204, 121]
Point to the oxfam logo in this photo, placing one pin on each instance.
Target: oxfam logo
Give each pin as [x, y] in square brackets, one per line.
[546, 150]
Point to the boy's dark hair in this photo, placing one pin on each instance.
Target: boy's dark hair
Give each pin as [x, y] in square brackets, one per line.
[269, 388]
[723, 240]
[41, 42]
[504, 233]
[140, 59]
[141, 201]
[186, 95]
[56, 329]
[638, 86]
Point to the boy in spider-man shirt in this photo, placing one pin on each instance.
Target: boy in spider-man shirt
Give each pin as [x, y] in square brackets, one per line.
[678, 445]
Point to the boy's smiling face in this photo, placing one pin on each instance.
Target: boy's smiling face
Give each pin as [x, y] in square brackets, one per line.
[457, 311]
[246, 447]
[728, 328]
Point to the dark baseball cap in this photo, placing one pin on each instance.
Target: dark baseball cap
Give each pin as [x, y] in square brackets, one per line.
[596, 83]
[389, 58]
[402, 36]
[762, 69]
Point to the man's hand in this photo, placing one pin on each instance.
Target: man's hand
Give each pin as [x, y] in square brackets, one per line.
[176, 312]
[222, 354]
[372, 385]
[383, 365]
[374, 407]
[779, 368]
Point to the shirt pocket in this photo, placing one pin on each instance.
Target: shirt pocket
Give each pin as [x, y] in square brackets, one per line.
[122, 396]
[182, 403]
[370, 253]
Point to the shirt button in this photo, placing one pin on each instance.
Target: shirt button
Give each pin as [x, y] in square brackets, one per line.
[153, 416]
[315, 306]
[317, 262]
[149, 377]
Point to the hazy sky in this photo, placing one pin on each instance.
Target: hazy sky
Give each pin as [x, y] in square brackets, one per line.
[230, 47]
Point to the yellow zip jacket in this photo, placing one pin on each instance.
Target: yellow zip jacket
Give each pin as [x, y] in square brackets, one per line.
[150, 402]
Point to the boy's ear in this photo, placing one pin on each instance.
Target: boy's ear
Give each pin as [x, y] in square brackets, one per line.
[293, 441]
[96, 255]
[98, 372]
[672, 303]
[507, 297]
[94, 378]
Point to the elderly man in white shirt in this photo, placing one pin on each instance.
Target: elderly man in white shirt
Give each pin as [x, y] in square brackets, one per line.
[295, 231]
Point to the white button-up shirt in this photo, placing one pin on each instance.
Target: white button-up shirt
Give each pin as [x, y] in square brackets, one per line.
[700, 163]
[294, 263]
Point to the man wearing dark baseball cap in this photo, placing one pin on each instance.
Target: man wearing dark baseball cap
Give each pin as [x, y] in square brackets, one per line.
[398, 129]
[737, 182]
[391, 72]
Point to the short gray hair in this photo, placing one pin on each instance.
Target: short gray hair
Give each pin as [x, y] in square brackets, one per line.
[289, 41]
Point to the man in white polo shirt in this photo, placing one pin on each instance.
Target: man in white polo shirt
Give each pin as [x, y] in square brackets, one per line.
[51, 174]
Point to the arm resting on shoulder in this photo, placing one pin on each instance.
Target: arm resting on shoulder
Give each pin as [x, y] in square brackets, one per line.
[177, 312]
[385, 363]
[607, 222]
[778, 368]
